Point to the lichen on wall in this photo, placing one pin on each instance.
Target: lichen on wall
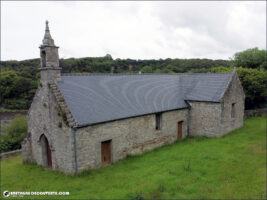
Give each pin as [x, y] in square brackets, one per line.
[128, 137]
[45, 120]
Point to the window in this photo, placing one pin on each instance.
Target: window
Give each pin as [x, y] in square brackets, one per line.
[43, 56]
[158, 121]
[233, 110]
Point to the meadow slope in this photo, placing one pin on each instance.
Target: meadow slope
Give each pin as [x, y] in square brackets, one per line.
[230, 167]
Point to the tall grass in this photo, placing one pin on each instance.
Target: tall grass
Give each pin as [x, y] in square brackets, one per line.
[231, 167]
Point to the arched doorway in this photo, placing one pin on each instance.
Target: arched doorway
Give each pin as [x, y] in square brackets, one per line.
[46, 152]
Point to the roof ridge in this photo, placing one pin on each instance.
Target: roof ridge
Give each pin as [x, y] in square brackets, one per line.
[125, 74]
[109, 74]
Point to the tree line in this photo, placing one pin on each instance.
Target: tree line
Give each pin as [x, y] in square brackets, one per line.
[20, 79]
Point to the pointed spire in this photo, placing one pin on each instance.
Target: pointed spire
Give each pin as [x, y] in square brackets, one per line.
[46, 26]
[47, 37]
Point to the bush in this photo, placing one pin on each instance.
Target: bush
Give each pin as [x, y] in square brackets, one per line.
[15, 133]
[147, 69]
[254, 84]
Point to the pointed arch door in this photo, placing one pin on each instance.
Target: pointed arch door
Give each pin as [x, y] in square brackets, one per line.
[46, 152]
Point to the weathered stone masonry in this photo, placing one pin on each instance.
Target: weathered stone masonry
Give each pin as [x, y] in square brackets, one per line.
[215, 119]
[57, 137]
[129, 136]
[44, 119]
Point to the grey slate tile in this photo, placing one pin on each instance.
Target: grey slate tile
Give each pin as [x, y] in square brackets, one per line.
[99, 98]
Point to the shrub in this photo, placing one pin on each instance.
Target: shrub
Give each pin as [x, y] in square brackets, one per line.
[254, 84]
[15, 133]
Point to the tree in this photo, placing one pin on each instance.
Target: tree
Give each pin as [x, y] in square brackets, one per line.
[8, 83]
[147, 69]
[16, 91]
[108, 56]
[221, 69]
[254, 84]
[250, 58]
[16, 132]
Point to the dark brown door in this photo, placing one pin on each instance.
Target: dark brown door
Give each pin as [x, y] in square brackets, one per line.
[48, 153]
[105, 151]
[180, 130]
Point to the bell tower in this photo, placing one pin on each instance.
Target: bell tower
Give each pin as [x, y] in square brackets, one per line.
[50, 70]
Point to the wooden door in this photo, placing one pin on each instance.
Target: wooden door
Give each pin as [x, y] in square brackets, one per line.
[106, 152]
[180, 130]
[48, 153]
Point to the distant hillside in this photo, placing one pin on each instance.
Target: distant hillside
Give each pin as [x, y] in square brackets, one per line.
[20, 79]
[106, 64]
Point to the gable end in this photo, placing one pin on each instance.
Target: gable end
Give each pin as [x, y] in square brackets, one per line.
[62, 107]
[234, 75]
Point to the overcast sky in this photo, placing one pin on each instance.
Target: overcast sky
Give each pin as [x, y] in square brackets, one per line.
[138, 30]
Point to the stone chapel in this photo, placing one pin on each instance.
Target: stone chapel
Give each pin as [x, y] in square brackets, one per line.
[86, 121]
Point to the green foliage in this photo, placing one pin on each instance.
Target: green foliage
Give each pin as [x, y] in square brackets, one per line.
[254, 84]
[8, 83]
[15, 133]
[221, 69]
[187, 167]
[20, 79]
[147, 69]
[17, 91]
[157, 71]
[251, 58]
[230, 167]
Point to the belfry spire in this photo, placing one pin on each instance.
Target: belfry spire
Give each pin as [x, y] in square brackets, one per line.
[46, 25]
[47, 37]
[50, 70]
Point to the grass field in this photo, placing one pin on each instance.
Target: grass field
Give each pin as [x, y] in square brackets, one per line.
[230, 167]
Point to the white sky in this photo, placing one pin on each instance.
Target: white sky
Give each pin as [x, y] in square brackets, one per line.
[137, 30]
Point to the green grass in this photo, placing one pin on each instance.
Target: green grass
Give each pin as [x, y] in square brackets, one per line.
[230, 167]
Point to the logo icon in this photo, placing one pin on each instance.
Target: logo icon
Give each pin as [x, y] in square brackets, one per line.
[6, 193]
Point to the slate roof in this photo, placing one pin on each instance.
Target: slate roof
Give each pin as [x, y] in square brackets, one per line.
[99, 98]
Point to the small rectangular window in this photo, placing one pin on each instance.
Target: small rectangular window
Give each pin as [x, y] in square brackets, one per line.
[158, 121]
[233, 110]
[43, 57]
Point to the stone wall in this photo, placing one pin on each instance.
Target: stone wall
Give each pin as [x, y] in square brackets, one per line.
[7, 117]
[256, 112]
[233, 103]
[204, 119]
[216, 119]
[10, 153]
[129, 136]
[43, 118]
